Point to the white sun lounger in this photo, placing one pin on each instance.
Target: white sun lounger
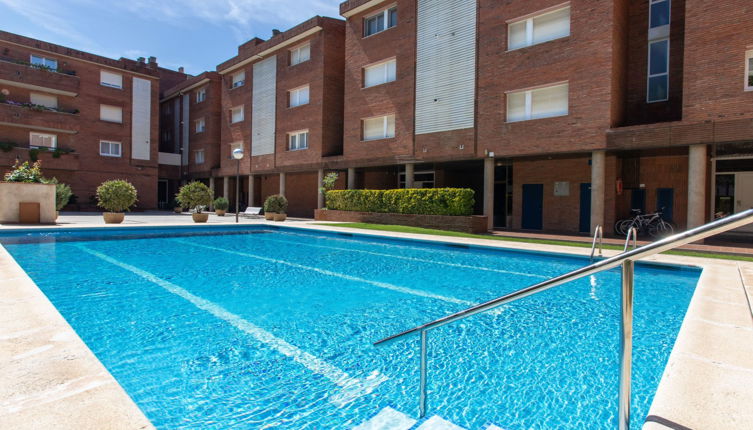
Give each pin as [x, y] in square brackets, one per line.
[252, 211]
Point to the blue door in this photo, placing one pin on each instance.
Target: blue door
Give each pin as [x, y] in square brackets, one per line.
[638, 199]
[665, 198]
[585, 207]
[533, 206]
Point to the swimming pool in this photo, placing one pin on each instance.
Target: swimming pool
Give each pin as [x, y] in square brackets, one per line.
[260, 327]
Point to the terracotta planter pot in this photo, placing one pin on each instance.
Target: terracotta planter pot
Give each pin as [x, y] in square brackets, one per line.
[269, 216]
[220, 212]
[113, 217]
[280, 217]
[202, 217]
[178, 210]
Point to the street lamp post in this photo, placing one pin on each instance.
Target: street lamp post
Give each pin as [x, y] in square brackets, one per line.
[237, 154]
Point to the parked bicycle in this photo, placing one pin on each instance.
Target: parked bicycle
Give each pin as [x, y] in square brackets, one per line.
[652, 224]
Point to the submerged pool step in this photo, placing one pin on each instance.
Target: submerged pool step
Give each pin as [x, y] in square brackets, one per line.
[438, 423]
[391, 419]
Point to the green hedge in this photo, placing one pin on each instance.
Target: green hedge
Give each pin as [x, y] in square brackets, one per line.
[424, 201]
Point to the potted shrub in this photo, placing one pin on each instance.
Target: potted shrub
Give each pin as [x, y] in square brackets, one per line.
[177, 208]
[116, 197]
[220, 206]
[277, 205]
[63, 195]
[195, 195]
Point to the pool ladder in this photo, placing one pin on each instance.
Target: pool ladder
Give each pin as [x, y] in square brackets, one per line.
[627, 261]
[598, 234]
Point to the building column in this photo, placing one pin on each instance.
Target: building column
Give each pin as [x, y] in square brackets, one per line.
[409, 169]
[696, 185]
[351, 178]
[226, 187]
[598, 189]
[319, 192]
[211, 188]
[489, 191]
[250, 190]
[282, 183]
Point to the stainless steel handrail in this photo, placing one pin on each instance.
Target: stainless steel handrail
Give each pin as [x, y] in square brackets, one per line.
[626, 260]
[632, 232]
[598, 232]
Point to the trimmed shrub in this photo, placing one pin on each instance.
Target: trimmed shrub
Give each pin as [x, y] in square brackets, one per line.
[194, 195]
[25, 172]
[63, 195]
[116, 195]
[276, 204]
[221, 203]
[422, 201]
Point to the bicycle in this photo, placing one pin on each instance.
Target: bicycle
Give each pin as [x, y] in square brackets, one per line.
[652, 224]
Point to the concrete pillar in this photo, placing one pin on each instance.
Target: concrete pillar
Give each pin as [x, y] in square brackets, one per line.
[250, 190]
[696, 185]
[409, 168]
[282, 183]
[211, 187]
[351, 178]
[489, 191]
[226, 187]
[319, 193]
[598, 188]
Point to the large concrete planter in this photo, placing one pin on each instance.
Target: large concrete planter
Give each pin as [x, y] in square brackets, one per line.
[13, 194]
[113, 217]
[466, 224]
[200, 217]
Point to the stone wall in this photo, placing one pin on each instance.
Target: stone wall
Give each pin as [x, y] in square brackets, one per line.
[13, 193]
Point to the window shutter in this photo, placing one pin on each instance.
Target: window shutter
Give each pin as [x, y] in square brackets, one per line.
[44, 100]
[109, 79]
[111, 113]
[547, 102]
[551, 26]
[516, 106]
[516, 35]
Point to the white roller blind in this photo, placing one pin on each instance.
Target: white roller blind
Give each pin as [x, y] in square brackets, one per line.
[111, 113]
[239, 79]
[44, 100]
[546, 102]
[299, 97]
[516, 106]
[264, 107]
[551, 26]
[517, 35]
[300, 54]
[237, 114]
[141, 119]
[380, 73]
[110, 79]
[382, 127]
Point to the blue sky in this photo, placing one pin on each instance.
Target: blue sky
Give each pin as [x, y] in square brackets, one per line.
[196, 34]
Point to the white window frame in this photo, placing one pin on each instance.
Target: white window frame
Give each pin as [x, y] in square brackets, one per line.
[648, 71]
[294, 96]
[748, 70]
[529, 102]
[385, 128]
[108, 85]
[108, 120]
[386, 14]
[199, 157]
[295, 54]
[235, 83]
[53, 139]
[386, 74]
[201, 95]
[44, 61]
[200, 125]
[297, 135]
[243, 114]
[528, 19]
[110, 144]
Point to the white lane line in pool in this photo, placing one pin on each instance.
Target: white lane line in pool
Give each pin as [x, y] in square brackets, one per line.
[384, 285]
[401, 257]
[351, 388]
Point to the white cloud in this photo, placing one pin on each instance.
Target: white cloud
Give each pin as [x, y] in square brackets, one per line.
[48, 15]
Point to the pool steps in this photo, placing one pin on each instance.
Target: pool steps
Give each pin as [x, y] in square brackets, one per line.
[391, 419]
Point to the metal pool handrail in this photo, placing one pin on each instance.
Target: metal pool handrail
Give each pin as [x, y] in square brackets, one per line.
[632, 232]
[627, 261]
[598, 233]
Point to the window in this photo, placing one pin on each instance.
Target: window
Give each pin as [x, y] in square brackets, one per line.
[201, 95]
[200, 125]
[300, 54]
[299, 96]
[239, 79]
[539, 29]
[199, 157]
[381, 127]
[749, 70]
[109, 149]
[44, 62]
[538, 103]
[44, 100]
[298, 140]
[659, 13]
[658, 71]
[38, 140]
[236, 114]
[111, 113]
[379, 22]
[112, 80]
[379, 73]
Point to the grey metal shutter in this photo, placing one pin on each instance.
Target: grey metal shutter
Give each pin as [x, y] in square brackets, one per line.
[186, 128]
[141, 125]
[445, 65]
[264, 103]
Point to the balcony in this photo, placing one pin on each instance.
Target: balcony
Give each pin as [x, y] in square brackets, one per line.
[51, 159]
[24, 115]
[34, 77]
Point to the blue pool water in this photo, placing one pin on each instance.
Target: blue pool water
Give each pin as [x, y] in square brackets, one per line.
[273, 328]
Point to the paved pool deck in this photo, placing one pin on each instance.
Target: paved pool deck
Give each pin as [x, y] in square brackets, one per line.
[52, 380]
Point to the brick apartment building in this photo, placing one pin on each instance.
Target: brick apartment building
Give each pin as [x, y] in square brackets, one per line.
[87, 118]
[560, 115]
